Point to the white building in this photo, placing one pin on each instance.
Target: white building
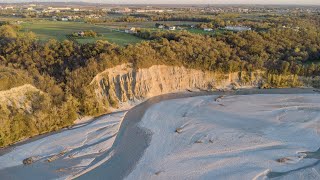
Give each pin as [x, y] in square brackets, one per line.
[161, 26]
[9, 8]
[122, 10]
[131, 30]
[172, 28]
[106, 9]
[149, 10]
[238, 28]
[59, 9]
[30, 9]
[208, 29]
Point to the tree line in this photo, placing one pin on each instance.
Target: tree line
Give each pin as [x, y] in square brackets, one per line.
[64, 70]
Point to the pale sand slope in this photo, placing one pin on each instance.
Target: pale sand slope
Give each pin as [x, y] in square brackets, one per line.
[83, 147]
[240, 137]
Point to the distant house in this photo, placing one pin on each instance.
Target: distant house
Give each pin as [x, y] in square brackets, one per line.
[122, 10]
[149, 10]
[60, 8]
[180, 28]
[106, 9]
[81, 34]
[9, 8]
[171, 28]
[160, 26]
[208, 29]
[93, 16]
[166, 26]
[64, 19]
[238, 28]
[132, 30]
[297, 28]
[29, 9]
[19, 22]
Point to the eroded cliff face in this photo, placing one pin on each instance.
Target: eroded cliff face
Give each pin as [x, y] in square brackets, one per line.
[19, 98]
[124, 83]
[22, 113]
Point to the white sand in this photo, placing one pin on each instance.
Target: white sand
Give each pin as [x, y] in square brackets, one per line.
[240, 137]
[83, 144]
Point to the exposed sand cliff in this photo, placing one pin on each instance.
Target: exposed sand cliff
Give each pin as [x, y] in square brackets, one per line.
[119, 88]
[18, 97]
[123, 83]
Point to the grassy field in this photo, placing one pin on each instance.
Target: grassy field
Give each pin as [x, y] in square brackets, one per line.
[114, 37]
[200, 31]
[149, 24]
[46, 30]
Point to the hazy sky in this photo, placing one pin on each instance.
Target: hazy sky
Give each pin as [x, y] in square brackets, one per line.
[315, 2]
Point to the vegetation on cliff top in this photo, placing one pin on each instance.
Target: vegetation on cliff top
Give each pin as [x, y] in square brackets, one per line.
[62, 71]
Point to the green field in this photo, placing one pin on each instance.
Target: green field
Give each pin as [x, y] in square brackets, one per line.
[200, 31]
[114, 37]
[148, 24]
[46, 30]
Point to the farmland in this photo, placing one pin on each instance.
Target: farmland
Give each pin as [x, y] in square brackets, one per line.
[111, 31]
[148, 24]
[200, 31]
[46, 30]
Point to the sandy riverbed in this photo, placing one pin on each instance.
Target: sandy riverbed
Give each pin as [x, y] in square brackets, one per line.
[133, 152]
[238, 137]
[77, 149]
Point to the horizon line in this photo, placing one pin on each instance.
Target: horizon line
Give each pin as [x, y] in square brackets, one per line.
[272, 4]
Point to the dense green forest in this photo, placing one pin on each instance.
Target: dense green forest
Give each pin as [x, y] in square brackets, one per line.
[64, 70]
